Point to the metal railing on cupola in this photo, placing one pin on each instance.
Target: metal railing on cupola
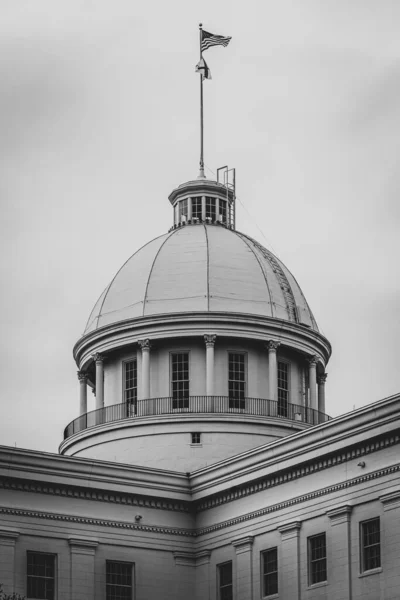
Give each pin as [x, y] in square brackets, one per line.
[256, 407]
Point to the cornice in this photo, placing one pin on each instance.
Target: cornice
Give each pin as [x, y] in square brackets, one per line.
[297, 472]
[286, 530]
[98, 495]
[299, 500]
[96, 522]
[177, 325]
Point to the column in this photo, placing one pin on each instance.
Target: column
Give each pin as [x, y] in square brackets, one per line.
[321, 392]
[272, 370]
[99, 360]
[312, 362]
[189, 209]
[203, 208]
[82, 376]
[244, 567]
[289, 559]
[210, 341]
[145, 346]
[340, 544]
[82, 569]
[203, 580]
[7, 559]
[217, 210]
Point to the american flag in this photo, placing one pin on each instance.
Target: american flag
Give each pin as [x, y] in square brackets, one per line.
[209, 39]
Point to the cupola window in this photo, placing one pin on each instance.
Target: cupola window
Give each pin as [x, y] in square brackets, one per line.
[180, 380]
[210, 209]
[283, 388]
[237, 380]
[183, 210]
[196, 208]
[130, 386]
[222, 211]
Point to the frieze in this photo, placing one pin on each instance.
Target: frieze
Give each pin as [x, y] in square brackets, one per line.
[38, 487]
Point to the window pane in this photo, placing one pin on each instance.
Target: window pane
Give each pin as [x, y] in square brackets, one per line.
[210, 208]
[196, 208]
[371, 544]
[180, 380]
[317, 558]
[118, 581]
[283, 388]
[40, 575]
[270, 571]
[225, 581]
[222, 211]
[236, 381]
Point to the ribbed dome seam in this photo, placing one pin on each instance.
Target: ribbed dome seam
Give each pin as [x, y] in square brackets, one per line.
[152, 267]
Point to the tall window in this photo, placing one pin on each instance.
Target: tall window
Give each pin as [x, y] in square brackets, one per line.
[180, 380]
[183, 210]
[317, 559]
[237, 380]
[370, 544]
[210, 208]
[225, 581]
[196, 208]
[41, 576]
[130, 386]
[118, 580]
[283, 388]
[222, 210]
[270, 571]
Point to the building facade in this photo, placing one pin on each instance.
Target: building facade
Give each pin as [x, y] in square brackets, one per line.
[209, 468]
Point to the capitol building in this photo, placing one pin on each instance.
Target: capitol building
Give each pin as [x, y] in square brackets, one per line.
[210, 468]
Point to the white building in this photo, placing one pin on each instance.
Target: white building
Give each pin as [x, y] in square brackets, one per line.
[209, 468]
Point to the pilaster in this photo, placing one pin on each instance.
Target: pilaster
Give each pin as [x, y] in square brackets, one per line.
[244, 566]
[8, 539]
[82, 568]
[289, 585]
[340, 544]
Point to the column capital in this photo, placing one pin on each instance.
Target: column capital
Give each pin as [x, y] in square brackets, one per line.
[98, 358]
[290, 530]
[312, 360]
[243, 544]
[209, 339]
[321, 379]
[273, 345]
[82, 376]
[144, 345]
[8, 537]
[340, 515]
[81, 546]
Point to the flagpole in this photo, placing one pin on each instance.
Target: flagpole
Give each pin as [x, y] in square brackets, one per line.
[201, 173]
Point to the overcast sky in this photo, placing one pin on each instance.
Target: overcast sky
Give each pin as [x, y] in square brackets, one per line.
[99, 122]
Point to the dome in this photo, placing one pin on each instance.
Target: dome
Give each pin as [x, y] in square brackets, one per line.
[202, 268]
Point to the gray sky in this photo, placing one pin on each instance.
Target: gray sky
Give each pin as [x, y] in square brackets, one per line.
[99, 122]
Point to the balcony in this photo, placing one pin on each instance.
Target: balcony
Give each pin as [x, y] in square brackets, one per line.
[196, 405]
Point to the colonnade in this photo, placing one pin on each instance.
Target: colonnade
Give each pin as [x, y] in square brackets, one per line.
[316, 382]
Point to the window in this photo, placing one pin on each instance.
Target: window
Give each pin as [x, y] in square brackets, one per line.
[183, 210]
[41, 577]
[370, 545]
[225, 581]
[283, 388]
[118, 580]
[317, 559]
[130, 386]
[236, 380]
[180, 380]
[196, 208]
[222, 210]
[270, 571]
[196, 438]
[210, 208]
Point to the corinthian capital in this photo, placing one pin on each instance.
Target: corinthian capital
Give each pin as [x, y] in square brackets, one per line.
[144, 344]
[210, 339]
[312, 360]
[98, 357]
[273, 345]
[82, 376]
[322, 378]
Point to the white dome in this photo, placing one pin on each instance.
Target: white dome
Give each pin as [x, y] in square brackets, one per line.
[200, 268]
